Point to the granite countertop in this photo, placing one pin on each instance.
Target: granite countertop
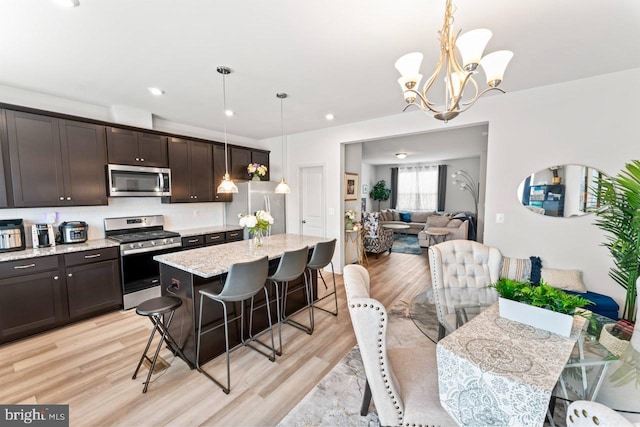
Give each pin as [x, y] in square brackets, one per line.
[58, 249]
[189, 232]
[215, 260]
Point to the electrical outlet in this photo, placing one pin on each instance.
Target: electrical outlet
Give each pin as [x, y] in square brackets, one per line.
[499, 218]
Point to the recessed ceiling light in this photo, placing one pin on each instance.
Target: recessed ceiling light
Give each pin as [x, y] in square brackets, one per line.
[156, 91]
[401, 155]
[329, 116]
[229, 113]
[68, 3]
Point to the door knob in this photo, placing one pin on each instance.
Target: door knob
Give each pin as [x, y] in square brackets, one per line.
[304, 221]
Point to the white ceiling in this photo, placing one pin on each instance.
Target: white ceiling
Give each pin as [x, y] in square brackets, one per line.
[330, 55]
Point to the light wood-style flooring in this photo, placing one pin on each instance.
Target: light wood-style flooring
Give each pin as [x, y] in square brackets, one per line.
[88, 365]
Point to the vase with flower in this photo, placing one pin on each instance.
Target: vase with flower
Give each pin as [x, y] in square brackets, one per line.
[256, 170]
[349, 217]
[258, 225]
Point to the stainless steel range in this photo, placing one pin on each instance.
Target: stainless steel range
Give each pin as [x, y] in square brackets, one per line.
[140, 238]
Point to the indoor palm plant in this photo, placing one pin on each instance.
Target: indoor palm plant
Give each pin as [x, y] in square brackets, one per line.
[380, 192]
[620, 219]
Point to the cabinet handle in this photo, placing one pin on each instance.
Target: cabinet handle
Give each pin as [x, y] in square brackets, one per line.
[233, 234]
[195, 197]
[91, 256]
[68, 198]
[137, 159]
[19, 267]
[61, 198]
[215, 237]
[141, 159]
[55, 277]
[70, 274]
[193, 241]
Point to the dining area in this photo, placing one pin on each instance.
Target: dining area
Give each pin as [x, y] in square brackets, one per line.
[484, 369]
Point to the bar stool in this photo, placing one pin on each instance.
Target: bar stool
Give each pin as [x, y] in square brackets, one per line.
[321, 257]
[244, 281]
[156, 309]
[291, 266]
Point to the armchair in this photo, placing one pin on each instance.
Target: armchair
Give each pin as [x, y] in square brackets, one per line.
[461, 264]
[377, 238]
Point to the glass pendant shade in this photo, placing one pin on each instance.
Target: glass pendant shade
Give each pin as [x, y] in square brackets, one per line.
[410, 82]
[409, 65]
[283, 188]
[494, 65]
[227, 186]
[471, 46]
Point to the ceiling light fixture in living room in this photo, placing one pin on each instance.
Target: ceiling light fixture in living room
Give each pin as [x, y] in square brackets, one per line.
[401, 155]
[470, 46]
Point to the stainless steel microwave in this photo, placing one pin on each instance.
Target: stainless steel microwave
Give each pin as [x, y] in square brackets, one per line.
[138, 181]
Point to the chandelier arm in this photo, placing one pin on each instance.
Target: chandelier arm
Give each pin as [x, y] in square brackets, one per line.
[475, 85]
[431, 81]
[473, 101]
[426, 105]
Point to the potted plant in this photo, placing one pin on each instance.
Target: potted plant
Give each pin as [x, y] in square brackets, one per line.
[620, 218]
[540, 306]
[379, 192]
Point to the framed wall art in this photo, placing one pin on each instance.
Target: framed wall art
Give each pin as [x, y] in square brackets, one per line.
[351, 186]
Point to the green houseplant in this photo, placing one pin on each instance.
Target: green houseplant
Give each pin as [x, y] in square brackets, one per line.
[542, 306]
[380, 193]
[620, 219]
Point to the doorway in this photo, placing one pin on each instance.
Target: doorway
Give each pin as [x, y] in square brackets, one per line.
[312, 201]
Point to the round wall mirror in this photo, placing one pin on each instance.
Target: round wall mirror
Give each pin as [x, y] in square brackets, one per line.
[561, 190]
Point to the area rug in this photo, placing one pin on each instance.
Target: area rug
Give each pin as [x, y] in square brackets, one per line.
[336, 399]
[406, 244]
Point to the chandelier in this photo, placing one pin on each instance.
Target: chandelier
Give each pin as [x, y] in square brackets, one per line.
[227, 185]
[470, 47]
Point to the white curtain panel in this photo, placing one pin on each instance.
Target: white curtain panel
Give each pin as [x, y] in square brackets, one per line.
[418, 188]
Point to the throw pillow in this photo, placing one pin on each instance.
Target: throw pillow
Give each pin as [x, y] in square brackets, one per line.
[438, 221]
[396, 215]
[516, 269]
[568, 280]
[384, 215]
[454, 223]
[536, 266]
[405, 216]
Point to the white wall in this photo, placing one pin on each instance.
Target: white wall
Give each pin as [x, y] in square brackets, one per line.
[587, 121]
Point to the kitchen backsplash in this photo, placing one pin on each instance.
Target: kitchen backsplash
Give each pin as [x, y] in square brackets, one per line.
[177, 216]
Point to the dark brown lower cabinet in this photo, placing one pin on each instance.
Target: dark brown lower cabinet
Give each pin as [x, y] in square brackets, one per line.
[38, 294]
[93, 287]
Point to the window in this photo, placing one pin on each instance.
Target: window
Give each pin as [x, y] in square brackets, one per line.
[418, 188]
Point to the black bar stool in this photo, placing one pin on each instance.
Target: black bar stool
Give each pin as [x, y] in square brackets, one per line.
[156, 309]
[321, 257]
[244, 281]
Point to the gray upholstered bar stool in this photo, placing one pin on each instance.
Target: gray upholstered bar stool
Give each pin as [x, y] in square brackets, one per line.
[244, 281]
[156, 309]
[321, 257]
[291, 266]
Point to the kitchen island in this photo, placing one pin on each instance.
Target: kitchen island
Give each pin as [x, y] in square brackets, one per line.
[184, 273]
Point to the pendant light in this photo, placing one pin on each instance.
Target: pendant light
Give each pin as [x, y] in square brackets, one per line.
[283, 187]
[227, 185]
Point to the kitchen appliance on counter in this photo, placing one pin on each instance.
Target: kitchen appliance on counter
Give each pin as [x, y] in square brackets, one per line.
[253, 196]
[42, 236]
[11, 235]
[137, 181]
[72, 232]
[141, 238]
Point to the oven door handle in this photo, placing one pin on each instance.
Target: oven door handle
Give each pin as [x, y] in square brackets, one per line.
[149, 249]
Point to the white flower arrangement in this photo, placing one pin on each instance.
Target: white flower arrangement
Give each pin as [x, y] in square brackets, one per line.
[350, 215]
[261, 221]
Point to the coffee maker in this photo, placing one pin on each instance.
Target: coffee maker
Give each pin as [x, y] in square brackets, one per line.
[42, 235]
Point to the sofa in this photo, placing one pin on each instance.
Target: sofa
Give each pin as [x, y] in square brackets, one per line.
[456, 224]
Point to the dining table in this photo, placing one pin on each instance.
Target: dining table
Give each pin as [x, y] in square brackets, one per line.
[495, 371]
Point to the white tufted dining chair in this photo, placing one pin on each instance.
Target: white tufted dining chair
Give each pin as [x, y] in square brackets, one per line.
[403, 382]
[461, 264]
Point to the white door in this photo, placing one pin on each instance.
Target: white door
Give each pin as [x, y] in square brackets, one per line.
[312, 220]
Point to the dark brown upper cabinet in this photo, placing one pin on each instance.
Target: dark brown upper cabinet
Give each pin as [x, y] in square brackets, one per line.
[55, 162]
[129, 147]
[191, 171]
[238, 161]
[4, 160]
[218, 174]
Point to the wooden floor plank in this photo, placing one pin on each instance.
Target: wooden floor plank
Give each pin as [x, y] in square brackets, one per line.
[89, 364]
